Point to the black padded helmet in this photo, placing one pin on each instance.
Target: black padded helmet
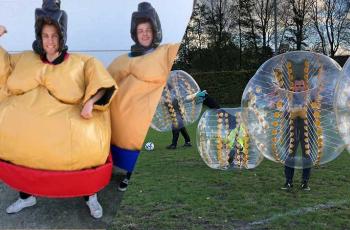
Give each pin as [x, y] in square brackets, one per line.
[50, 11]
[146, 12]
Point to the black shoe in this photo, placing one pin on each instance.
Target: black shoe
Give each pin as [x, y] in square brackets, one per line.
[304, 186]
[123, 185]
[187, 144]
[171, 146]
[287, 186]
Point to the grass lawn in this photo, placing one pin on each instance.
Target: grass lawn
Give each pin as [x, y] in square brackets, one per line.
[174, 189]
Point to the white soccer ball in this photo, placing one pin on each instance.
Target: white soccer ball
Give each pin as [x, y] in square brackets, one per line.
[149, 146]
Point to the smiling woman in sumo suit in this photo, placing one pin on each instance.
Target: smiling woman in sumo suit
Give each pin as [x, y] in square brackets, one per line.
[54, 118]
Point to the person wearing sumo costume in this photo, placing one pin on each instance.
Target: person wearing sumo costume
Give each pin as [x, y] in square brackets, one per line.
[141, 76]
[47, 101]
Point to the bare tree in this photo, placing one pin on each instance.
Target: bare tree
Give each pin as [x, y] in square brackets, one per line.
[197, 27]
[284, 23]
[317, 19]
[263, 10]
[217, 20]
[194, 37]
[236, 26]
[330, 18]
[301, 10]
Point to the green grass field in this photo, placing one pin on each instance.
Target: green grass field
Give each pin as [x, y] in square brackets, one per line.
[174, 189]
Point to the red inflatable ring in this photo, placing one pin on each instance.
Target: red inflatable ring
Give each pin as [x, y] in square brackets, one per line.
[56, 184]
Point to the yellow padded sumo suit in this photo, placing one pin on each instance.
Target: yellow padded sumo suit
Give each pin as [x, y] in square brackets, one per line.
[40, 122]
[141, 81]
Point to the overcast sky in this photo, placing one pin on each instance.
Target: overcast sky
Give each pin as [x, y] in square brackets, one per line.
[94, 25]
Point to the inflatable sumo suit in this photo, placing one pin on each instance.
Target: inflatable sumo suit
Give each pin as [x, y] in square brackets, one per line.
[141, 77]
[41, 130]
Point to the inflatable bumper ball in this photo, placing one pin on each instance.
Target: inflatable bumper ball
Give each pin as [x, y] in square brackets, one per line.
[342, 104]
[177, 107]
[288, 107]
[223, 141]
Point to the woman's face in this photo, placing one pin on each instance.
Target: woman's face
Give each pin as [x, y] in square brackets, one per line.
[144, 34]
[50, 39]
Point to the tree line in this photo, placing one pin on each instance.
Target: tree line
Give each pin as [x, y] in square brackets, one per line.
[226, 35]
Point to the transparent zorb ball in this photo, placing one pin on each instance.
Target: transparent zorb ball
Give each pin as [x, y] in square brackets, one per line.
[178, 106]
[288, 106]
[223, 141]
[342, 104]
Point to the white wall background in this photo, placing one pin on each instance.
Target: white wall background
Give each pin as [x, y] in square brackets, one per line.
[97, 27]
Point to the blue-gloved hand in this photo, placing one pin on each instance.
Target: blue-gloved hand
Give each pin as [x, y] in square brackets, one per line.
[202, 94]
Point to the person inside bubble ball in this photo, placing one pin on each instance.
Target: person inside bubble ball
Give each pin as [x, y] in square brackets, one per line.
[199, 97]
[299, 135]
[141, 76]
[175, 111]
[51, 90]
[236, 141]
